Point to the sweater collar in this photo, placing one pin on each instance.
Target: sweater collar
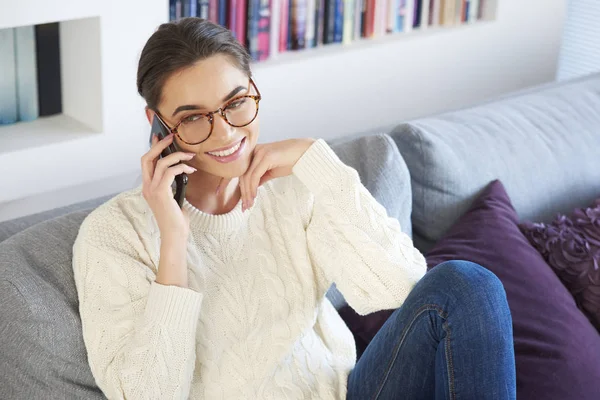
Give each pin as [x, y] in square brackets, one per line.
[216, 223]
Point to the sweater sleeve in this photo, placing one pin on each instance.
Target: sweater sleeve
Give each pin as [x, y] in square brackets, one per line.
[139, 335]
[351, 239]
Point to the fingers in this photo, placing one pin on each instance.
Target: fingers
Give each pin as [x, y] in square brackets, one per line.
[165, 163]
[147, 170]
[242, 184]
[148, 160]
[260, 170]
[172, 172]
[265, 178]
[249, 182]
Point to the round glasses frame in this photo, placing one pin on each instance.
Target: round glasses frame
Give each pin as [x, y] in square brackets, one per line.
[210, 115]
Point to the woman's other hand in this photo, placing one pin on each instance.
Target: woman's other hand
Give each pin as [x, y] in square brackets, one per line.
[270, 161]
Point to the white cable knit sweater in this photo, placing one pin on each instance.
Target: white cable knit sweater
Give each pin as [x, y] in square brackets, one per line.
[254, 322]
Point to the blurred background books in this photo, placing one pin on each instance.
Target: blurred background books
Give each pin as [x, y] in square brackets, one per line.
[270, 27]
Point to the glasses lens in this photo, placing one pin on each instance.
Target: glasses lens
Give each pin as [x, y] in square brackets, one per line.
[194, 128]
[241, 111]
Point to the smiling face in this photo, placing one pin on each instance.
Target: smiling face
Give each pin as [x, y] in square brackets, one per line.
[208, 85]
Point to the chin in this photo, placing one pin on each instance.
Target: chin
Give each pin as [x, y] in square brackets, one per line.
[230, 165]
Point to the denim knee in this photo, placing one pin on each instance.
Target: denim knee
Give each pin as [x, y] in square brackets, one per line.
[469, 279]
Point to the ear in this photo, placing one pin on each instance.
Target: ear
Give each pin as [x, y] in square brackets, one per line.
[150, 115]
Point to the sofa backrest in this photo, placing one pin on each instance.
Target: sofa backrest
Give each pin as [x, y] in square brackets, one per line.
[543, 145]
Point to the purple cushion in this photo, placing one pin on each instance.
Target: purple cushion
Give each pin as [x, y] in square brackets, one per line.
[556, 348]
[571, 246]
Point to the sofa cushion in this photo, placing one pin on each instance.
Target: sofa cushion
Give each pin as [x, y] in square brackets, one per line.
[42, 353]
[542, 145]
[556, 347]
[571, 246]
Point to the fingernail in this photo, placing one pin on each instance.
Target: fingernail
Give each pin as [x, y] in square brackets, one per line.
[191, 155]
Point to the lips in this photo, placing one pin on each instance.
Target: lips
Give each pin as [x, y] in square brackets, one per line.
[225, 151]
[230, 153]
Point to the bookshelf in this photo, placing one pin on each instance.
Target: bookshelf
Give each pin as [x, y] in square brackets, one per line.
[81, 89]
[102, 131]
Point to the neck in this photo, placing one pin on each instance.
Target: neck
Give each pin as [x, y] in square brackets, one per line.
[201, 192]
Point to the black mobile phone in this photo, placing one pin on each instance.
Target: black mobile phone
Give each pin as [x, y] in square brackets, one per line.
[159, 129]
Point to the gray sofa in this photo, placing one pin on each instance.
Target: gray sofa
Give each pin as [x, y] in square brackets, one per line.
[544, 144]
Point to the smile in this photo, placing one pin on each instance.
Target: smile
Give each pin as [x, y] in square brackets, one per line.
[228, 154]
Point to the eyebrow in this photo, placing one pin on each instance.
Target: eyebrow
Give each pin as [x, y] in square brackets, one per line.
[198, 107]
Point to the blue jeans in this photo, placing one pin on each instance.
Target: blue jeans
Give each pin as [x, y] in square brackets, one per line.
[451, 339]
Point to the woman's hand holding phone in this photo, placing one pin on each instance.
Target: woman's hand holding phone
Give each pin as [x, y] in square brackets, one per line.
[158, 174]
[173, 222]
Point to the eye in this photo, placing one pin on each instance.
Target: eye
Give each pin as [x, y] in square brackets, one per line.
[237, 103]
[192, 118]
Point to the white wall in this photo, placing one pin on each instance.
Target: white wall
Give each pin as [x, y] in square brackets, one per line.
[325, 93]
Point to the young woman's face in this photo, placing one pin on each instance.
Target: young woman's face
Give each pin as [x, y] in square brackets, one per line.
[207, 86]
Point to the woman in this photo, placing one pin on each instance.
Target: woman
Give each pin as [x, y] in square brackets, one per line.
[224, 298]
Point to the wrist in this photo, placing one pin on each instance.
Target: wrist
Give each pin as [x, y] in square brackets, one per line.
[174, 240]
[319, 167]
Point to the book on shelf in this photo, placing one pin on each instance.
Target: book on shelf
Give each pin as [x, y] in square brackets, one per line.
[8, 77]
[473, 10]
[270, 27]
[311, 6]
[26, 67]
[253, 16]
[435, 12]
[264, 29]
[49, 81]
[417, 9]
[202, 9]
[348, 17]
[424, 14]
[30, 84]
[298, 17]
[404, 19]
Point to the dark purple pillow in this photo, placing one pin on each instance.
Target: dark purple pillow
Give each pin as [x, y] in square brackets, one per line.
[557, 349]
[571, 246]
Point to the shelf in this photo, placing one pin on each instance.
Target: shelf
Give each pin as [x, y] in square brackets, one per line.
[41, 132]
[336, 49]
[33, 12]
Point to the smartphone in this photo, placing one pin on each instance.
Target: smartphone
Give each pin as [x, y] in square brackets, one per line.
[159, 129]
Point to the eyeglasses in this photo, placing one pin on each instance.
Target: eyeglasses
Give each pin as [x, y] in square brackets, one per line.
[237, 112]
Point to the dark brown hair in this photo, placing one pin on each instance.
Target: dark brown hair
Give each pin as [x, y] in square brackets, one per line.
[180, 44]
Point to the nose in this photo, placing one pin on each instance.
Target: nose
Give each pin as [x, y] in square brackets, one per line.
[221, 128]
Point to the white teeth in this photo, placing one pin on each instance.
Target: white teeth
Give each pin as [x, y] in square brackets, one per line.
[226, 153]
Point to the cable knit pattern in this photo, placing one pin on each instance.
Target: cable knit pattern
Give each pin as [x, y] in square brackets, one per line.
[254, 322]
